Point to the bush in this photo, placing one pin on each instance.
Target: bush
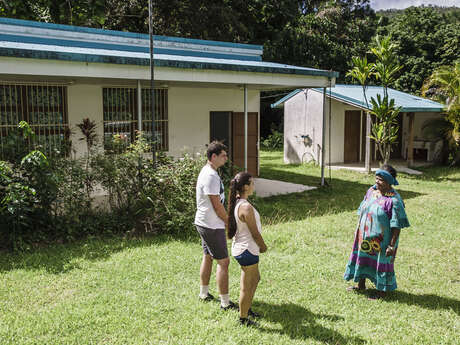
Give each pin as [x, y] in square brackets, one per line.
[150, 199]
[45, 200]
[274, 141]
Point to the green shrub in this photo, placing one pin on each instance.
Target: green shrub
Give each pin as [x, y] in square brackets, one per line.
[274, 141]
[46, 199]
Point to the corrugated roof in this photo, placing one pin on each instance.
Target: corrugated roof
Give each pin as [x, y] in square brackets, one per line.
[353, 94]
[28, 39]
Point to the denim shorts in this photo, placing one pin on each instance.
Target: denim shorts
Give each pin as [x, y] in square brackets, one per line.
[247, 259]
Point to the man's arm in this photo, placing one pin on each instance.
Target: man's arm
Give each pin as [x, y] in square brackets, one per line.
[218, 207]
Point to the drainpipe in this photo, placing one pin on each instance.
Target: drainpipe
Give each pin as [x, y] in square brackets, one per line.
[245, 127]
[139, 106]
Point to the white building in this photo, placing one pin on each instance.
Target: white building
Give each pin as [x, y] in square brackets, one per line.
[53, 76]
[345, 125]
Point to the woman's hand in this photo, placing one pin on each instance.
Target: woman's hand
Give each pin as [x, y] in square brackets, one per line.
[390, 251]
[263, 248]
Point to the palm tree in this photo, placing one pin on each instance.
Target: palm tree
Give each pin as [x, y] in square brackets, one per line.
[444, 85]
[361, 71]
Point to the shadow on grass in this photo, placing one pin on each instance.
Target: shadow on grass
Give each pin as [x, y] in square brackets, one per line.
[439, 173]
[340, 196]
[298, 322]
[427, 301]
[62, 258]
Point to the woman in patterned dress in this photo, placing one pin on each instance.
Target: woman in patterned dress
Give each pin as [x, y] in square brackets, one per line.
[381, 217]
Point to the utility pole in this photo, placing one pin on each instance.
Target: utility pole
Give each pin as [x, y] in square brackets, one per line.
[152, 84]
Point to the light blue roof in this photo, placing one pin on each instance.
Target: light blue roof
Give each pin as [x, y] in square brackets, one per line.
[37, 40]
[353, 94]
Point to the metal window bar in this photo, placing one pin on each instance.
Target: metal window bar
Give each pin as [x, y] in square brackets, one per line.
[41, 109]
[161, 117]
[120, 117]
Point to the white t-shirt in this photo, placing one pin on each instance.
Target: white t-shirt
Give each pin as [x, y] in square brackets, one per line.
[208, 183]
[243, 238]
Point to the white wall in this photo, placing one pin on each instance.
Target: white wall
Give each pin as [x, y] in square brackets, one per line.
[189, 110]
[303, 115]
[84, 101]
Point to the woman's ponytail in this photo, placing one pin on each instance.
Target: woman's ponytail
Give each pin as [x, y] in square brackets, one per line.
[236, 188]
[231, 229]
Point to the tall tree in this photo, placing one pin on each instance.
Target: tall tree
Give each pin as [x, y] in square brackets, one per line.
[426, 40]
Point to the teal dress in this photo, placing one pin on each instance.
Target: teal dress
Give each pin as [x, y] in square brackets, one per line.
[377, 215]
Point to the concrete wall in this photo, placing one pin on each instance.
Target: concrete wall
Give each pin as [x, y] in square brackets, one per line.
[188, 113]
[303, 115]
[189, 109]
[84, 101]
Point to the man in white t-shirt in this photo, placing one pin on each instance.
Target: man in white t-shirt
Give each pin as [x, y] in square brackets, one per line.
[210, 220]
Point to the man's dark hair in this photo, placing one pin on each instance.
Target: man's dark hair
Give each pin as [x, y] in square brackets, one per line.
[390, 169]
[215, 147]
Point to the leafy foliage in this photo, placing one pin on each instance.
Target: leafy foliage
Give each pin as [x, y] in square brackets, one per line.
[444, 85]
[45, 199]
[425, 39]
[274, 141]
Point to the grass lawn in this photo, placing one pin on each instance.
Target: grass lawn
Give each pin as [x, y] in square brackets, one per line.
[144, 291]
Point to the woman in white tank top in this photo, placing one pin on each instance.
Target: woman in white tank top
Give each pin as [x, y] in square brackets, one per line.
[245, 229]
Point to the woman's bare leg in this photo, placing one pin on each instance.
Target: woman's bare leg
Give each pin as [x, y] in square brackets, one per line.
[249, 279]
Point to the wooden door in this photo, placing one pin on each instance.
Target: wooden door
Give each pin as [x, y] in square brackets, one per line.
[238, 141]
[352, 136]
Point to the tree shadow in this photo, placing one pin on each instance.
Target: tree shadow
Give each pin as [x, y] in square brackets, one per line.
[340, 196]
[300, 323]
[62, 258]
[438, 173]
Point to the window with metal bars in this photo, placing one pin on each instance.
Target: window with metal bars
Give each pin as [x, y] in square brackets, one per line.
[121, 119]
[43, 107]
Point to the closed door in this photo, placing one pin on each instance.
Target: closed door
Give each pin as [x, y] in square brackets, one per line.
[352, 136]
[238, 141]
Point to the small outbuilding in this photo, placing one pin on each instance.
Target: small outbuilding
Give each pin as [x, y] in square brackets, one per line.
[53, 76]
[344, 110]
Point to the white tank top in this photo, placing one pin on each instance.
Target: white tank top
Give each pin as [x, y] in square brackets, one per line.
[243, 239]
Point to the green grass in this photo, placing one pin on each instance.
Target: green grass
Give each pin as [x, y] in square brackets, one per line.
[144, 291]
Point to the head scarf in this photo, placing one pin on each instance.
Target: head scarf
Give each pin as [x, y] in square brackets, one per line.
[387, 177]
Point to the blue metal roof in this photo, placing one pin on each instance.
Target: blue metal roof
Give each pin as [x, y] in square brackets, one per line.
[28, 39]
[353, 94]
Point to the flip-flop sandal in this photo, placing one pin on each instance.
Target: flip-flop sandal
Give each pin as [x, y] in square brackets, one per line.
[374, 298]
[355, 288]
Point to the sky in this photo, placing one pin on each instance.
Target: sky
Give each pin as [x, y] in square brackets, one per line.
[400, 4]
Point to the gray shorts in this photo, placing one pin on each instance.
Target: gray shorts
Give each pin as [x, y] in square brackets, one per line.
[214, 242]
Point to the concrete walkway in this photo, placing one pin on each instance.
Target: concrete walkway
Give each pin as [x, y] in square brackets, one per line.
[265, 188]
[400, 166]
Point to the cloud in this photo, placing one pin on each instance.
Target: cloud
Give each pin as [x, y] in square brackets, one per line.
[400, 4]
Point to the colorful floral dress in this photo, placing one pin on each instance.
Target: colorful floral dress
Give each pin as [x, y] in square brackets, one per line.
[377, 215]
